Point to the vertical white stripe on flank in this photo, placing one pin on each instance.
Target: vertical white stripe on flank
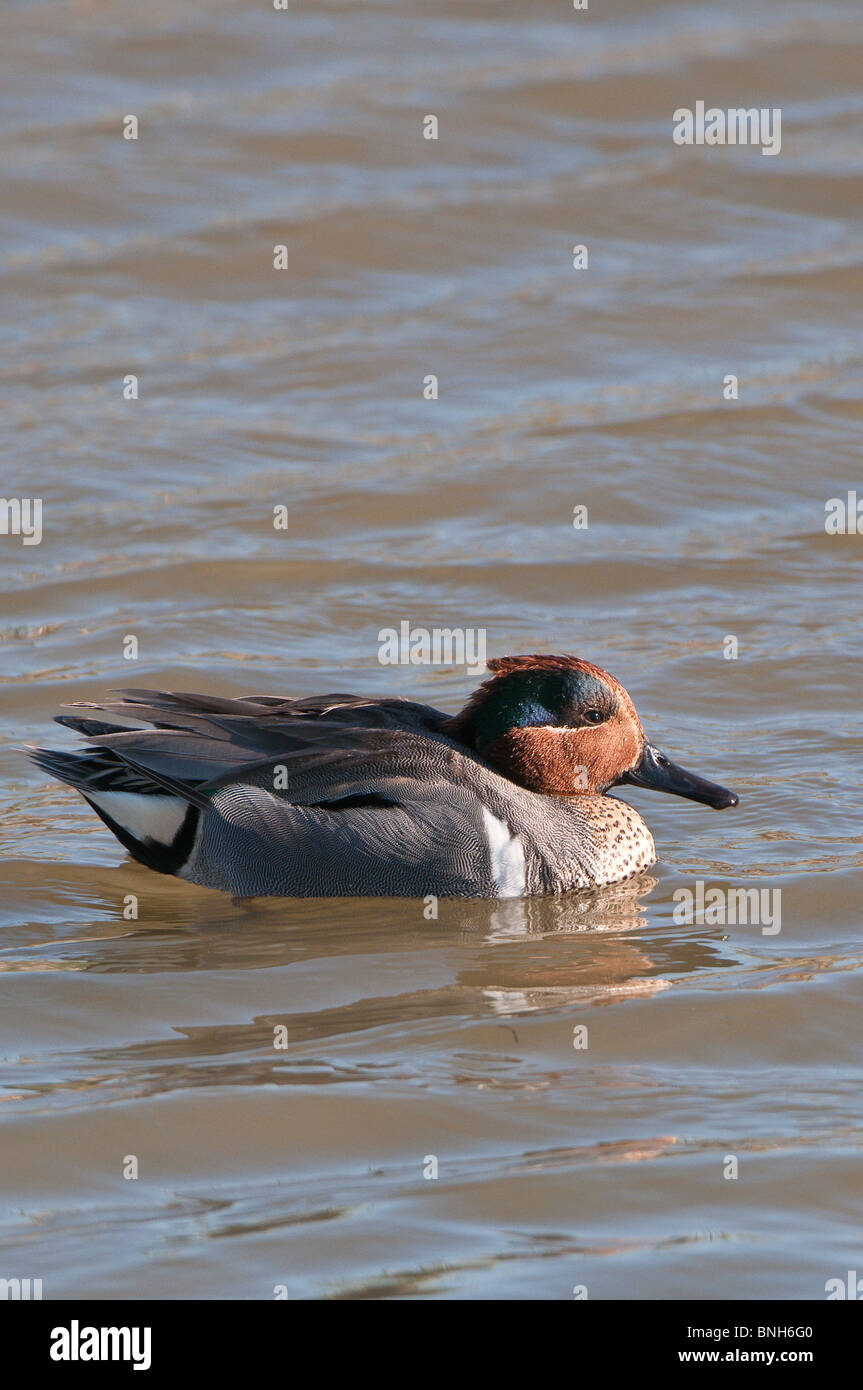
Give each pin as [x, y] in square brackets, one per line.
[507, 857]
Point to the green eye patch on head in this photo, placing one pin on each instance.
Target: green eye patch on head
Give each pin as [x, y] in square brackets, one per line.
[530, 699]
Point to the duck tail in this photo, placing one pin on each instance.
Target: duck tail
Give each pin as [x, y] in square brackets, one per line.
[153, 816]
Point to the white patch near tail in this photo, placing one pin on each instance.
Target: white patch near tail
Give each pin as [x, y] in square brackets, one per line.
[507, 857]
[146, 817]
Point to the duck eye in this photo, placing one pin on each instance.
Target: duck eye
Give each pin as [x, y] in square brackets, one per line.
[593, 716]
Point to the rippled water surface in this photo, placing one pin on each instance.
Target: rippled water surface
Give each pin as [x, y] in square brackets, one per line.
[407, 1038]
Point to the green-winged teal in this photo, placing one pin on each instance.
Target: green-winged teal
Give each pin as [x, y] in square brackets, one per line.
[341, 795]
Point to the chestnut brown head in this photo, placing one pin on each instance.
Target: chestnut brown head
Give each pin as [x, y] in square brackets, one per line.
[562, 726]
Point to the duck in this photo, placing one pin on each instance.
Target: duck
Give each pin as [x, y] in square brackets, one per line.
[345, 795]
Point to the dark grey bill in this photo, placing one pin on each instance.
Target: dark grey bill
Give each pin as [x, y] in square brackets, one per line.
[660, 774]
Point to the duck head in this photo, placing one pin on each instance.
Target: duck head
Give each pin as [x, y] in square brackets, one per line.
[562, 726]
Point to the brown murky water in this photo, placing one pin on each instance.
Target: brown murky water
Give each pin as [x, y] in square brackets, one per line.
[453, 1039]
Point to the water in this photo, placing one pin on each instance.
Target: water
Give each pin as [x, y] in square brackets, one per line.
[411, 1039]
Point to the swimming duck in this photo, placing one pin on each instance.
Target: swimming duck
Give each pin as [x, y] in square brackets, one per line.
[340, 795]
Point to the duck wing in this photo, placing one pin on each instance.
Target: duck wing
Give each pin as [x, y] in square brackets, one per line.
[197, 740]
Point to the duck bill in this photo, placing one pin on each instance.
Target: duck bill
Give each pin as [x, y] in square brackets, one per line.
[660, 774]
